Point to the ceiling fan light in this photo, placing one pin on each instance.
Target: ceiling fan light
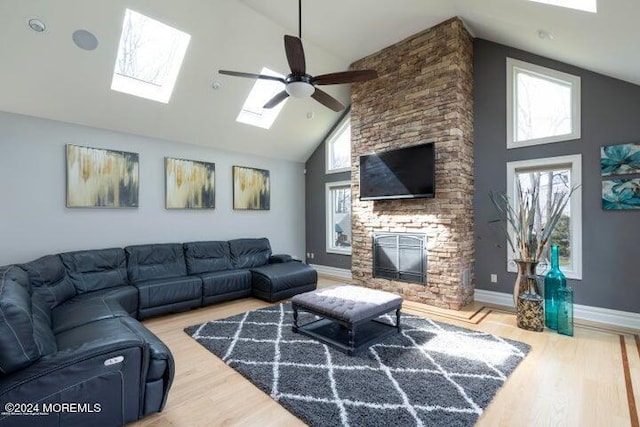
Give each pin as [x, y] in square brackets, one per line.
[300, 89]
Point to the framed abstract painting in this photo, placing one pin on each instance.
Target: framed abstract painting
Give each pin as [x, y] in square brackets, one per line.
[619, 194]
[189, 184]
[101, 178]
[620, 159]
[251, 189]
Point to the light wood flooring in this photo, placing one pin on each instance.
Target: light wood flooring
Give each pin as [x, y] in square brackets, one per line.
[591, 379]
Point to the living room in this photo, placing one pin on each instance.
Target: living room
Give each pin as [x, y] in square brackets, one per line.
[442, 74]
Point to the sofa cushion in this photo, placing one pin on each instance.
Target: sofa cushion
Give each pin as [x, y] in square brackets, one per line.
[49, 279]
[247, 253]
[18, 346]
[77, 312]
[125, 296]
[149, 262]
[96, 269]
[223, 282]
[42, 332]
[222, 286]
[40, 310]
[204, 257]
[154, 293]
[17, 274]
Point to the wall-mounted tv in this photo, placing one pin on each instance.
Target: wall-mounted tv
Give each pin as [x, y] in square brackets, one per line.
[406, 173]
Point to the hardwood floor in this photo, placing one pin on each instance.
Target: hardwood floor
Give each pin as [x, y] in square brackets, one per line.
[591, 379]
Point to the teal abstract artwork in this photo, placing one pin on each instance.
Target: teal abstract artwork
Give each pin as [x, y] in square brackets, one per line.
[620, 159]
[620, 194]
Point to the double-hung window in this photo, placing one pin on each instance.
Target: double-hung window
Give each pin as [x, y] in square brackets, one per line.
[552, 175]
[339, 217]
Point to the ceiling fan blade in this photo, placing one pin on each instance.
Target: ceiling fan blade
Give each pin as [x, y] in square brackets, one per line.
[295, 54]
[276, 99]
[327, 100]
[251, 75]
[345, 77]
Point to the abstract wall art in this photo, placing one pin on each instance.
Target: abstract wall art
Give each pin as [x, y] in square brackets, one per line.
[189, 184]
[251, 189]
[618, 194]
[100, 178]
[620, 159]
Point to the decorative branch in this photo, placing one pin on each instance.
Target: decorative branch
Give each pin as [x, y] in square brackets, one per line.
[530, 231]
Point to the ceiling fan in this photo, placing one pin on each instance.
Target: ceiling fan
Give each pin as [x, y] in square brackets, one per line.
[298, 83]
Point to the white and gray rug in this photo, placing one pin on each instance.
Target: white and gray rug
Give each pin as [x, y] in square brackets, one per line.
[432, 374]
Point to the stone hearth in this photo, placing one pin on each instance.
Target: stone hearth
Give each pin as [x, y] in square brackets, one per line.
[424, 93]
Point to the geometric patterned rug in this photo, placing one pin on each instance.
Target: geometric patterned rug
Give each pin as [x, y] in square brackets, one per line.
[431, 374]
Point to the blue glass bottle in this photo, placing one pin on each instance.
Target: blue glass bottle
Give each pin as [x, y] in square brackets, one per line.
[553, 281]
[565, 310]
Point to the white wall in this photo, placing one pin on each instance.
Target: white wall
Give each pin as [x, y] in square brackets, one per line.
[34, 220]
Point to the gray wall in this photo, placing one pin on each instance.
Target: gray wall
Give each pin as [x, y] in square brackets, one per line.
[316, 180]
[34, 220]
[611, 239]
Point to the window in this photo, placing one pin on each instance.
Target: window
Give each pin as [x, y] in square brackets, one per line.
[149, 57]
[263, 90]
[339, 217]
[552, 175]
[543, 105]
[584, 5]
[338, 148]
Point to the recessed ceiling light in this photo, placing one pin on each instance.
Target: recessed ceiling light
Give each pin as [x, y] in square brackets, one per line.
[36, 25]
[85, 39]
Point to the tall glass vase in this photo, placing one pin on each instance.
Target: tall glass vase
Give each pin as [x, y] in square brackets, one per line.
[553, 281]
[565, 310]
[526, 269]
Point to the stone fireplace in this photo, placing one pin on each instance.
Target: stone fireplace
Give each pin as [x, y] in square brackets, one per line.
[423, 94]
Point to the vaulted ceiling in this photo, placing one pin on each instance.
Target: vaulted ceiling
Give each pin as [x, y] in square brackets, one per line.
[46, 75]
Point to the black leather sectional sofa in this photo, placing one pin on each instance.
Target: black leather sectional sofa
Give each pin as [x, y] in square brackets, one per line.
[71, 350]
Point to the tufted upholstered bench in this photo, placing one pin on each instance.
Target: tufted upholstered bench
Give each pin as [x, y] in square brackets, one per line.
[348, 316]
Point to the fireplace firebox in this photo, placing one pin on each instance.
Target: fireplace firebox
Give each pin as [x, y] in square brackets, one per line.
[400, 256]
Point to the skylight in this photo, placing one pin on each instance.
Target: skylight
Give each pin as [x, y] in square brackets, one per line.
[252, 112]
[585, 5]
[149, 58]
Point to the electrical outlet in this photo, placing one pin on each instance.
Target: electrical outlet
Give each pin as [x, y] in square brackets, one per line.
[308, 254]
[312, 255]
[494, 278]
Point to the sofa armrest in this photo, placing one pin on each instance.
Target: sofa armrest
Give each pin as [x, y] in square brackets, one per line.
[105, 378]
[159, 376]
[75, 347]
[280, 258]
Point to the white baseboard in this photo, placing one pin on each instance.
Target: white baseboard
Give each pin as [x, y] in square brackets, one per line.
[342, 273]
[492, 297]
[583, 312]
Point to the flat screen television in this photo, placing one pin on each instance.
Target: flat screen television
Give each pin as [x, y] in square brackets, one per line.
[406, 173]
